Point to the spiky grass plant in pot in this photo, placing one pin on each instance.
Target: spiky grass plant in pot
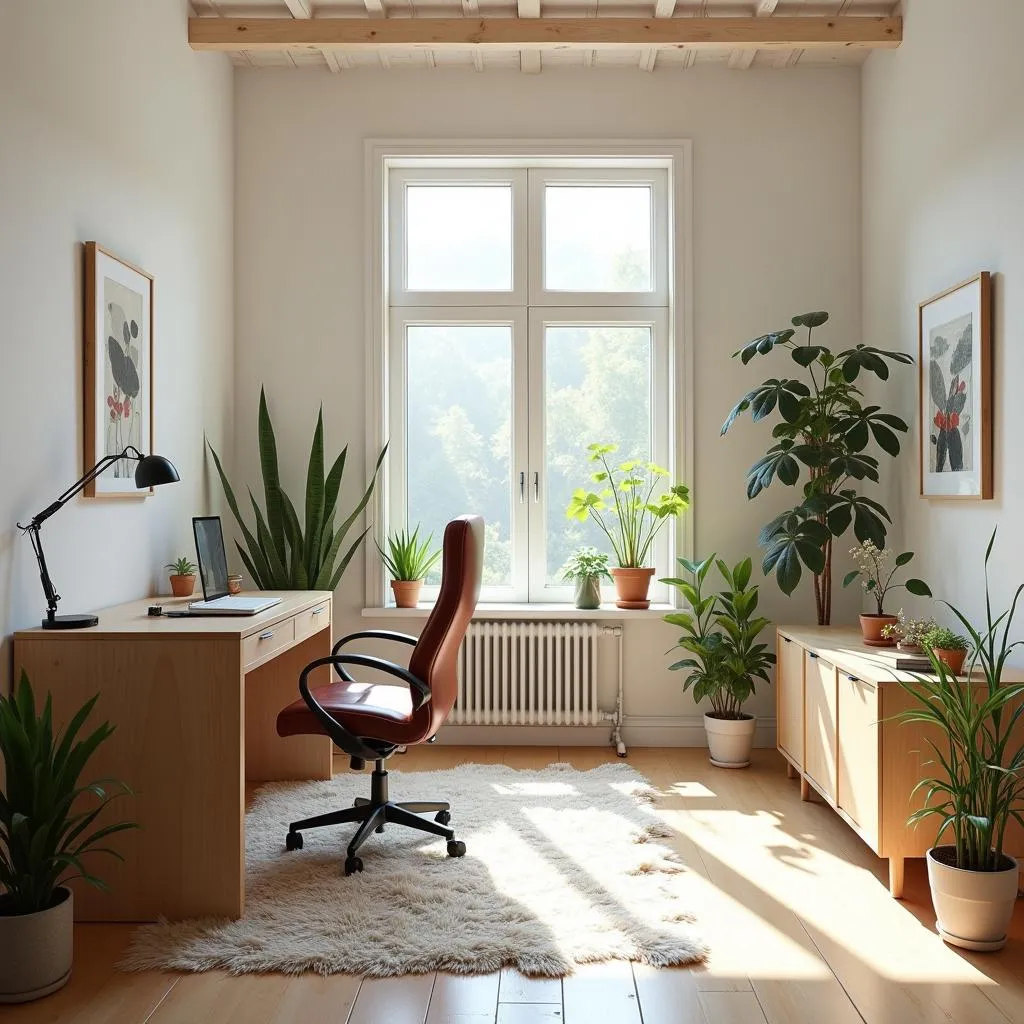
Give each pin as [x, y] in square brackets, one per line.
[48, 836]
[409, 560]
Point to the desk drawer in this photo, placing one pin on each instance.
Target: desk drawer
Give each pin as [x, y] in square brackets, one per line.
[267, 642]
[312, 620]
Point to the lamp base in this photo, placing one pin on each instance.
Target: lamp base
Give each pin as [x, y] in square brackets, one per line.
[70, 622]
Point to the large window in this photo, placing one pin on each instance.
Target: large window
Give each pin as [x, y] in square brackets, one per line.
[527, 317]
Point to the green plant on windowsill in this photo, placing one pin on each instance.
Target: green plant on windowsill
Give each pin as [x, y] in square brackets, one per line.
[586, 567]
[181, 567]
[408, 558]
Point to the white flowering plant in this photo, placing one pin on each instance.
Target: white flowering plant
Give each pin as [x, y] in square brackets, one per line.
[876, 568]
[908, 631]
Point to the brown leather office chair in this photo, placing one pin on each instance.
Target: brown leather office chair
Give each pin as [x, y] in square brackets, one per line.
[369, 721]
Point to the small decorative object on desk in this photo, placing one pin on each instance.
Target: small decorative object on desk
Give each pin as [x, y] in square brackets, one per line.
[409, 560]
[638, 517]
[235, 583]
[875, 575]
[720, 633]
[949, 647]
[908, 633]
[586, 568]
[183, 576]
[45, 838]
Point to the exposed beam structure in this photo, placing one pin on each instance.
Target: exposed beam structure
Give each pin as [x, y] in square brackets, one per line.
[662, 9]
[304, 9]
[542, 33]
[375, 9]
[471, 9]
[740, 60]
[529, 60]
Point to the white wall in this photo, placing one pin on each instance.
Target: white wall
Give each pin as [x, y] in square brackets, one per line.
[776, 231]
[943, 176]
[111, 129]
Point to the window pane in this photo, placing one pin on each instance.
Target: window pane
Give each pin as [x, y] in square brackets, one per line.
[459, 238]
[597, 389]
[459, 416]
[597, 238]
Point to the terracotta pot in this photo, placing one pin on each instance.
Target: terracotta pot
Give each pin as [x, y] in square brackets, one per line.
[37, 951]
[972, 908]
[182, 586]
[954, 659]
[730, 740]
[871, 627]
[588, 592]
[631, 586]
[407, 592]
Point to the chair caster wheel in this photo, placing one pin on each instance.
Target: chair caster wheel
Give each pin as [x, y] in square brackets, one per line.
[293, 841]
[353, 864]
[443, 817]
[456, 848]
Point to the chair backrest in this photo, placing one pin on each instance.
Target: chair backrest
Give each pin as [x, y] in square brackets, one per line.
[435, 656]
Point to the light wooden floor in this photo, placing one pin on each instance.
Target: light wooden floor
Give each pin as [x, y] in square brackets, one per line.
[793, 905]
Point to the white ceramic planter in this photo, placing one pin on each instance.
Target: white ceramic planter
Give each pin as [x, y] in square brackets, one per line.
[38, 951]
[972, 908]
[730, 740]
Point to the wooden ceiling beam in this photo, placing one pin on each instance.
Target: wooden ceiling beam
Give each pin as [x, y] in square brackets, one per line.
[529, 60]
[543, 33]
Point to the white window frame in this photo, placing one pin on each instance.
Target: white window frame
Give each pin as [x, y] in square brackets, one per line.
[389, 160]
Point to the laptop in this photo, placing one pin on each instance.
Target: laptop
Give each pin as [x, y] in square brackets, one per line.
[213, 573]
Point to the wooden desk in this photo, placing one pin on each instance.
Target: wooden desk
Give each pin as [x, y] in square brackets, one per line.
[836, 707]
[195, 703]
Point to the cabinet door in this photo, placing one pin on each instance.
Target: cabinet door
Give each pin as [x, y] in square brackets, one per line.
[857, 782]
[789, 685]
[820, 728]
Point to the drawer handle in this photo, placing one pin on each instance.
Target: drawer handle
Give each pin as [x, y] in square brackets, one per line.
[787, 640]
[811, 654]
[266, 634]
[853, 679]
[317, 611]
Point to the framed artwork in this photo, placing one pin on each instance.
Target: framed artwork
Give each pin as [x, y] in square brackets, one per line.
[955, 364]
[118, 364]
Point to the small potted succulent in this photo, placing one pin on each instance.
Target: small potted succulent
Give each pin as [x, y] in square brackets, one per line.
[876, 574]
[908, 633]
[630, 515]
[586, 568]
[183, 576]
[720, 634]
[47, 837]
[409, 560]
[949, 647]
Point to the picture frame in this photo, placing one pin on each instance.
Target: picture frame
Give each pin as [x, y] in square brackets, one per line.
[117, 363]
[955, 391]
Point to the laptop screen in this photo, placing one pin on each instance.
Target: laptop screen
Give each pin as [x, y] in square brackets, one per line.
[213, 563]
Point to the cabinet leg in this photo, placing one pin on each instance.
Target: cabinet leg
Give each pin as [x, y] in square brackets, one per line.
[790, 771]
[896, 877]
[805, 790]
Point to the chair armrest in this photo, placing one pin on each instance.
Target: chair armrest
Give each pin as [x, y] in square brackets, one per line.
[369, 634]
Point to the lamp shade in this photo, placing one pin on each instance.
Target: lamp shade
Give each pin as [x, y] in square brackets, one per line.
[154, 470]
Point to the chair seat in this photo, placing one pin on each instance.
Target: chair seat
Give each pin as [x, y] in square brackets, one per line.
[371, 710]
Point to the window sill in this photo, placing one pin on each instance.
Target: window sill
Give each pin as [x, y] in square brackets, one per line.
[529, 611]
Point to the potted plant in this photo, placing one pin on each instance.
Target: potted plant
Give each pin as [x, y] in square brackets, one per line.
[980, 785]
[586, 568]
[183, 576]
[825, 430]
[907, 632]
[949, 647]
[876, 577]
[720, 632]
[630, 515]
[409, 560]
[46, 829]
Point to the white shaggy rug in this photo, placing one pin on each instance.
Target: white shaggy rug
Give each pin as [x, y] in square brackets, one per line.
[562, 867]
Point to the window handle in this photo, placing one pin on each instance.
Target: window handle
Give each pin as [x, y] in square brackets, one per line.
[536, 486]
[522, 488]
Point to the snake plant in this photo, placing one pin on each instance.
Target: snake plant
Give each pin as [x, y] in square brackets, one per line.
[282, 553]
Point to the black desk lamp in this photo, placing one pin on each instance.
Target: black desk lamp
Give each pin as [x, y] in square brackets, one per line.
[151, 471]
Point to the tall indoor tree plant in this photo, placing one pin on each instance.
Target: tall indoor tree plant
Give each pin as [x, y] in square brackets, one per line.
[827, 441]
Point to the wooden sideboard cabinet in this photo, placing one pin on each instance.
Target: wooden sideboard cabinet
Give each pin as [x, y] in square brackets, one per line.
[836, 700]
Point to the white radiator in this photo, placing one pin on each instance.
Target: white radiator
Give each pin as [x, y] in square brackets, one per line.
[529, 673]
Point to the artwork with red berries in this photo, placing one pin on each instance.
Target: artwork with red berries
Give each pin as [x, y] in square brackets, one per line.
[949, 373]
[122, 371]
